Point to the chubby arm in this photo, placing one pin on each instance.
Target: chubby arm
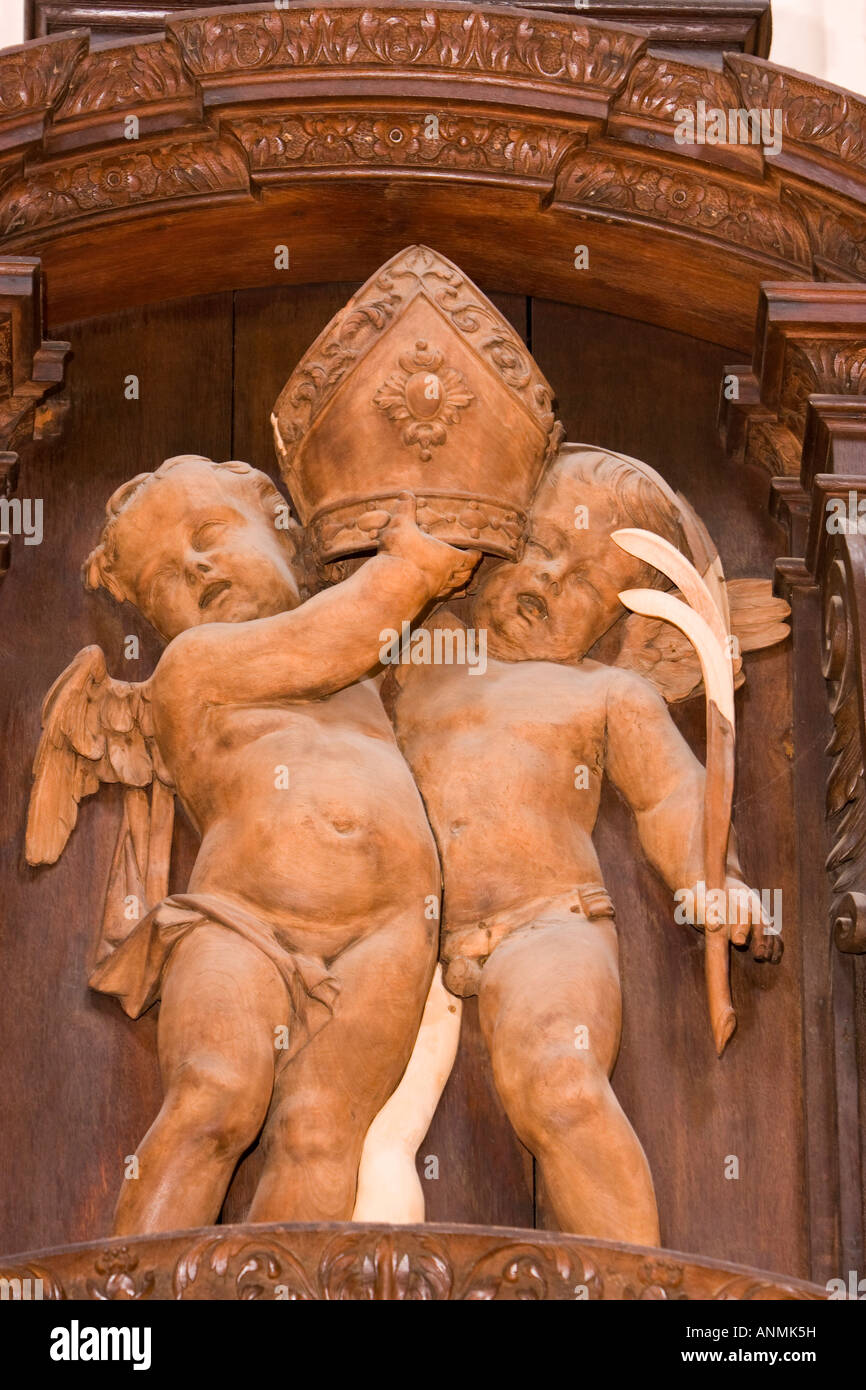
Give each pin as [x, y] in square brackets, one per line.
[650, 762]
[329, 642]
[652, 765]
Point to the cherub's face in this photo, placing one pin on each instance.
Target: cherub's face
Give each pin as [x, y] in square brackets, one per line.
[199, 548]
[561, 596]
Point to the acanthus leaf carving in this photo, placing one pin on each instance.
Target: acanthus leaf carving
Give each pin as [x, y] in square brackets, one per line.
[32, 78]
[107, 181]
[610, 184]
[819, 366]
[659, 87]
[837, 235]
[493, 41]
[812, 114]
[112, 78]
[357, 1262]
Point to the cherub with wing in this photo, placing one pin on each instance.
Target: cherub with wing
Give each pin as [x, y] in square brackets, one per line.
[293, 971]
[510, 766]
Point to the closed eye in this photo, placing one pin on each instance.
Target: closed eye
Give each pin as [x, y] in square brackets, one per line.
[533, 544]
[207, 534]
[166, 572]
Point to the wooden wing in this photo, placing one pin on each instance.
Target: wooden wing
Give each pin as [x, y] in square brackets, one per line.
[94, 729]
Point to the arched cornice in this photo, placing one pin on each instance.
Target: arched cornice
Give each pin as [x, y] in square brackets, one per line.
[312, 128]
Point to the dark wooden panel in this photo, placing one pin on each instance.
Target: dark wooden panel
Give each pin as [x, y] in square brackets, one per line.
[80, 1081]
[653, 394]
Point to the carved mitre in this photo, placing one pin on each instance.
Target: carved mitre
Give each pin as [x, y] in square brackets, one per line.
[419, 383]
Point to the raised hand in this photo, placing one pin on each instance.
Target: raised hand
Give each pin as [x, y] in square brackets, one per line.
[446, 567]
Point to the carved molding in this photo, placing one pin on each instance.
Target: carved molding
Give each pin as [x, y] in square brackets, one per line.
[646, 111]
[160, 172]
[283, 143]
[817, 119]
[717, 25]
[351, 1262]
[844, 636]
[585, 90]
[547, 52]
[810, 340]
[32, 78]
[716, 208]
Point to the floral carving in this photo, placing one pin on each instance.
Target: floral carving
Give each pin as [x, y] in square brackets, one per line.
[119, 1276]
[104, 182]
[705, 206]
[389, 1263]
[118, 77]
[483, 41]
[427, 394]
[658, 87]
[833, 120]
[288, 141]
[31, 79]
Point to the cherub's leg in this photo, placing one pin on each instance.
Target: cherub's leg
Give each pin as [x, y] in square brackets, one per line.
[550, 1011]
[326, 1097]
[221, 1003]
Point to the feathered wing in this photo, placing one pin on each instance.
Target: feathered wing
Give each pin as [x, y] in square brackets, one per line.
[96, 729]
[749, 610]
[664, 656]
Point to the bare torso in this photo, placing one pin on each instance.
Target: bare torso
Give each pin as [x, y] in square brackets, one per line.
[307, 812]
[510, 765]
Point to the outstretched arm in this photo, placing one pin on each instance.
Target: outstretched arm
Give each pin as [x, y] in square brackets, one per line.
[329, 642]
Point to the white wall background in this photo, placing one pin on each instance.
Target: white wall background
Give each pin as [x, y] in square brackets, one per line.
[824, 37]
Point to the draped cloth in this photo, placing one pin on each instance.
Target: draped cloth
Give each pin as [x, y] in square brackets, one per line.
[134, 970]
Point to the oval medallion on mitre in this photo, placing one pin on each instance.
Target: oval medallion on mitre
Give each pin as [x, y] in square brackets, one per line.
[418, 384]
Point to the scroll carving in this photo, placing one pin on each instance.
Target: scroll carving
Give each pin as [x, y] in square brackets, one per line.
[394, 1264]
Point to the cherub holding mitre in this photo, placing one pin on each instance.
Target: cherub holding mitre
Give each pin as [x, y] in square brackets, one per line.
[293, 970]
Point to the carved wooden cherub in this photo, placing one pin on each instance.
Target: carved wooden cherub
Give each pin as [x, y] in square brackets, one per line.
[293, 972]
[510, 766]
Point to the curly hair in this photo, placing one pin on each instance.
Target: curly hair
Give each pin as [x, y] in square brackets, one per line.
[641, 498]
[99, 568]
